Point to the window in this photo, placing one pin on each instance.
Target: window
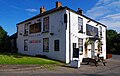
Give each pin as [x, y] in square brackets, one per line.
[80, 25]
[100, 31]
[91, 30]
[25, 45]
[26, 29]
[45, 44]
[35, 28]
[46, 24]
[80, 44]
[65, 18]
[56, 45]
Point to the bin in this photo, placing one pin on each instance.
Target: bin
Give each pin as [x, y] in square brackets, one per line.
[75, 63]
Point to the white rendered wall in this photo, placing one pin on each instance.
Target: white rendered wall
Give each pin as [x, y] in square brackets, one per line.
[75, 35]
[56, 26]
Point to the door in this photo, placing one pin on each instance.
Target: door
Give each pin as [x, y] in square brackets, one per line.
[75, 51]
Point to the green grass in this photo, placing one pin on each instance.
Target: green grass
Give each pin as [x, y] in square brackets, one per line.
[12, 58]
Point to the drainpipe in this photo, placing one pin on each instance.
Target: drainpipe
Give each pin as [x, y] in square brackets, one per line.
[69, 37]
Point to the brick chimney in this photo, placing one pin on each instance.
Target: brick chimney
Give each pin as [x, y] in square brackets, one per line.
[80, 11]
[42, 9]
[58, 4]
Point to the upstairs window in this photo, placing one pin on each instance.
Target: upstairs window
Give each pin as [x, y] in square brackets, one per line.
[35, 28]
[65, 18]
[26, 29]
[91, 30]
[80, 25]
[100, 31]
[46, 24]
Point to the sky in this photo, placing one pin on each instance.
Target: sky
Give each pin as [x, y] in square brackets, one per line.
[15, 11]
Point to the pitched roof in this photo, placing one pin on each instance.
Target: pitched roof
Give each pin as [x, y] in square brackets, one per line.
[42, 14]
[14, 36]
[57, 9]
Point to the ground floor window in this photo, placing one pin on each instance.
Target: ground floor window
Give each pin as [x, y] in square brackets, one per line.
[26, 45]
[80, 44]
[45, 44]
[56, 45]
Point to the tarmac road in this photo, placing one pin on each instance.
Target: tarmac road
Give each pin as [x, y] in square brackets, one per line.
[111, 69]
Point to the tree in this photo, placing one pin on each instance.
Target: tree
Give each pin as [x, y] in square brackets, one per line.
[99, 45]
[87, 42]
[113, 42]
[117, 44]
[3, 33]
[4, 40]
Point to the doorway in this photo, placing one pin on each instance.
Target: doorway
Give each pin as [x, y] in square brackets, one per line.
[75, 51]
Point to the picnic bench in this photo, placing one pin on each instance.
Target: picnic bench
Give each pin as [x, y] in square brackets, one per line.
[96, 60]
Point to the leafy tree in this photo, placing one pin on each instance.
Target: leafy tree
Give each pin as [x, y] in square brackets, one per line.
[117, 44]
[113, 42]
[99, 44]
[3, 33]
[4, 40]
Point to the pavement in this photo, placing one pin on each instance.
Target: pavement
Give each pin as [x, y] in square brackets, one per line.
[112, 68]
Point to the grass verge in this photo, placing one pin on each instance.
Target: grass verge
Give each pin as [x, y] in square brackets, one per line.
[13, 58]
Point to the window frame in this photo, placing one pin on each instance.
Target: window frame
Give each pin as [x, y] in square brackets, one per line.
[26, 45]
[80, 44]
[90, 30]
[100, 27]
[44, 49]
[80, 25]
[35, 28]
[56, 45]
[26, 29]
[46, 24]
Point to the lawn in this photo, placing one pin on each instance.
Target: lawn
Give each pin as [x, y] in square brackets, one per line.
[12, 58]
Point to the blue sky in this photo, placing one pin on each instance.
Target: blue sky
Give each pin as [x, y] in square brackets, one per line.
[15, 11]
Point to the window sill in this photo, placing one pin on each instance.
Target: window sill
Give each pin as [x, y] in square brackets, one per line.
[45, 32]
[80, 31]
[25, 35]
[81, 53]
[56, 50]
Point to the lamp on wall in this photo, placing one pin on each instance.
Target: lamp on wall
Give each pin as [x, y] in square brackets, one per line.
[88, 21]
[51, 34]
[97, 24]
[39, 20]
[83, 32]
[20, 33]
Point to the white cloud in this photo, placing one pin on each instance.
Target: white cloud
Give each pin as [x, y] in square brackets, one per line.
[113, 16]
[106, 12]
[31, 10]
[9, 5]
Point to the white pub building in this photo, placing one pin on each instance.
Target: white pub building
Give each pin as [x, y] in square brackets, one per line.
[61, 34]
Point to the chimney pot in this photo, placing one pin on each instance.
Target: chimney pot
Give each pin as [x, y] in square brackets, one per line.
[42, 9]
[80, 11]
[58, 4]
